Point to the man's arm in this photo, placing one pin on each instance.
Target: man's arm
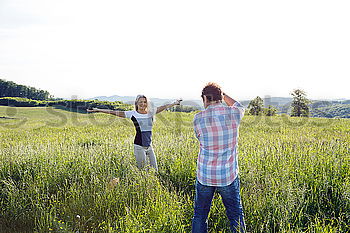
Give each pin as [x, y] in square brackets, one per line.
[228, 100]
[195, 128]
[162, 108]
[108, 111]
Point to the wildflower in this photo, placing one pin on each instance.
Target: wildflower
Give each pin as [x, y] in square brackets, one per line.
[113, 182]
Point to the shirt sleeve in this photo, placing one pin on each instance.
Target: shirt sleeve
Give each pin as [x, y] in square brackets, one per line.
[195, 127]
[152, 112]
[239, 110]
[129, 114]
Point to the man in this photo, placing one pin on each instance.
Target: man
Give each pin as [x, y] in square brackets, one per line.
[217, 166]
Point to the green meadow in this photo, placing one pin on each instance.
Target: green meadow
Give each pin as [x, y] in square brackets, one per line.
[56, 165]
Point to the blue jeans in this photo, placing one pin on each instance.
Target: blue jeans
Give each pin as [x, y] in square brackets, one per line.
[231, 199]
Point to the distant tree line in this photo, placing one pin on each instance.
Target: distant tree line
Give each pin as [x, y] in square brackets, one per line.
[75, 105]
[332, 111]
[12, 94]
[11, 89]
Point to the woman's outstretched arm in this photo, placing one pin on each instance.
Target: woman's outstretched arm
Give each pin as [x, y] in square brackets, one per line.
[162, 108]
[113, 112]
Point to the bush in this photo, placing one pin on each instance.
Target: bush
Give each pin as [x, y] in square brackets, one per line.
[77, 105]
[20, 102]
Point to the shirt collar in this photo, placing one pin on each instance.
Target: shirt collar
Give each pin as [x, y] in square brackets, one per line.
[215, 105]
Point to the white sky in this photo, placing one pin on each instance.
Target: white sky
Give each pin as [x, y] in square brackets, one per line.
[170, 49]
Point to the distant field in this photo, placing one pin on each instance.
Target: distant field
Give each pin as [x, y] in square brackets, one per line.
[55, 167]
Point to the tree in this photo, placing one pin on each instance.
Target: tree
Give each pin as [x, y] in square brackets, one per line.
[270, 110]
[300, 104]
[255, 106]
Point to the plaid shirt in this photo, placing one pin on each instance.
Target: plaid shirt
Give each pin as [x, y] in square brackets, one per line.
[217, 131]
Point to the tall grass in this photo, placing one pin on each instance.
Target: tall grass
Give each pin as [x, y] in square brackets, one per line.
[55, 168]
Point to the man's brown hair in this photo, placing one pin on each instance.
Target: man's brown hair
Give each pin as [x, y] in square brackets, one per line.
[212, 91]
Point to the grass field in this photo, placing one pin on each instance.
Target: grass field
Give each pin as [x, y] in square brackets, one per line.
[55, 167]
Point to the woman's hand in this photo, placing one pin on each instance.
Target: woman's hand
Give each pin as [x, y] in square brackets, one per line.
[162, 108]
[177, 102]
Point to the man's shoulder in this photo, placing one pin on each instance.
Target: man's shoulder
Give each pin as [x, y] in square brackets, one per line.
[199, 114]
[198, 117]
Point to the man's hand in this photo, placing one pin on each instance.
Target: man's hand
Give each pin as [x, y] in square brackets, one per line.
[223, 94]
[228, 100]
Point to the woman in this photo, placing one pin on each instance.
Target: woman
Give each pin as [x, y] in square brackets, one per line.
[142, 118]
